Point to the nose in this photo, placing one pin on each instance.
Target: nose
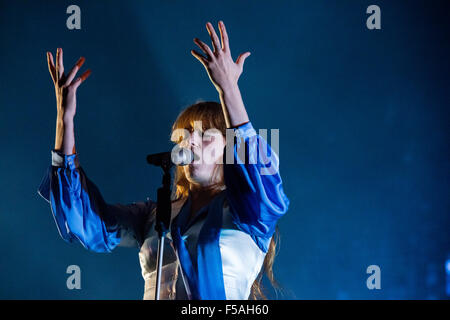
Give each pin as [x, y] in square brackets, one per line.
[195, 139]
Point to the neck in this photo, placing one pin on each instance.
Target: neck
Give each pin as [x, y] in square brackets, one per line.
[201, 196]
[203, 190]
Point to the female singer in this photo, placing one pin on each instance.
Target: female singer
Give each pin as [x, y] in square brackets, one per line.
[222, 234]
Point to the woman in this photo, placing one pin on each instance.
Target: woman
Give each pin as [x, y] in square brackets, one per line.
[223, 215]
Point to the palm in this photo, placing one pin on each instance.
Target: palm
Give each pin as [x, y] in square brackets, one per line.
[219, 64]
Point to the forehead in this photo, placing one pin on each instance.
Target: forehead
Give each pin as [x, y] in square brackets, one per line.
[201, 124]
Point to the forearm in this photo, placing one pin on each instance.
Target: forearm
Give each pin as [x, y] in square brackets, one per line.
[65, 137]
[233, 106]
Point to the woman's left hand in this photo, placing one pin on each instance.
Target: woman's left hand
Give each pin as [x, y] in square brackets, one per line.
[222, 70]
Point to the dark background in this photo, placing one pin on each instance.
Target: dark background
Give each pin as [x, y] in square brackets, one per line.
[363, 118]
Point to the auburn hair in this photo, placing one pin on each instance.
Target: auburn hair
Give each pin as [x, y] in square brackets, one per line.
[211, 115]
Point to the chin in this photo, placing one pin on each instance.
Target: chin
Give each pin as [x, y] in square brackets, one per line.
[193, 176]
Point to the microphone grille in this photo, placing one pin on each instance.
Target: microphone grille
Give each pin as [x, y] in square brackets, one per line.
[182, 156]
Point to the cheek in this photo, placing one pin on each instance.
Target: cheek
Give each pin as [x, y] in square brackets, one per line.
[213, 150]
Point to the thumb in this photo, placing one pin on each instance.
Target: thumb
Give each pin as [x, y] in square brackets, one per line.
[241, 59]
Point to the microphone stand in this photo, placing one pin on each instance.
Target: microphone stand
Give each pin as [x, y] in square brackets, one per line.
[163, 215]
[164, 204]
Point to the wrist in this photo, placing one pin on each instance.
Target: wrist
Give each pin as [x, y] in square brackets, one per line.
[67, 120]
[228, 87]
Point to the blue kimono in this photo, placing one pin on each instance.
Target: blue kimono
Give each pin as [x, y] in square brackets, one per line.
[218, 255]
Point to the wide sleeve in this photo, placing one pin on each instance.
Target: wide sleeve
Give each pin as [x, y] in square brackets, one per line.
[253, 185]
[82, 215]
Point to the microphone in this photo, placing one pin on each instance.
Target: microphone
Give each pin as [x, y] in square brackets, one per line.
[178, 156]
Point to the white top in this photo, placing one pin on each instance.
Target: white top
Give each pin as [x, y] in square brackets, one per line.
[241, 258]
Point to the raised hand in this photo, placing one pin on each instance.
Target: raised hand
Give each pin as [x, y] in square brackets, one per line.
[222, 70]
[65, 89]
[65, 86]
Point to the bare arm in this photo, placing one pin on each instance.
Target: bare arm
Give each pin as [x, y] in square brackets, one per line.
[65, 90]
[224, 73]
[65, 137]
[233, 106]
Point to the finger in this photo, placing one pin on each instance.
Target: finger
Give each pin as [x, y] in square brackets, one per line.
[200, 58]
[224, 36]
[204, 48]
[74, 71]
[51, 66]
[241, 59]
[59, 64]
[213, 35]
[81, 79]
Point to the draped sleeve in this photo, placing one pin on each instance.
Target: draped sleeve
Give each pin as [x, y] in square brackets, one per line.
[253, 185]
[82, 215]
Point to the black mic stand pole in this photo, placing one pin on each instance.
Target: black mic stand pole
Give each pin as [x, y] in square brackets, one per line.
[164, 203]
[163, 215]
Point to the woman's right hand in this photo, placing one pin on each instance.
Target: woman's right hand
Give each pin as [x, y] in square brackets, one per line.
[65, 86]
[65, 89]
